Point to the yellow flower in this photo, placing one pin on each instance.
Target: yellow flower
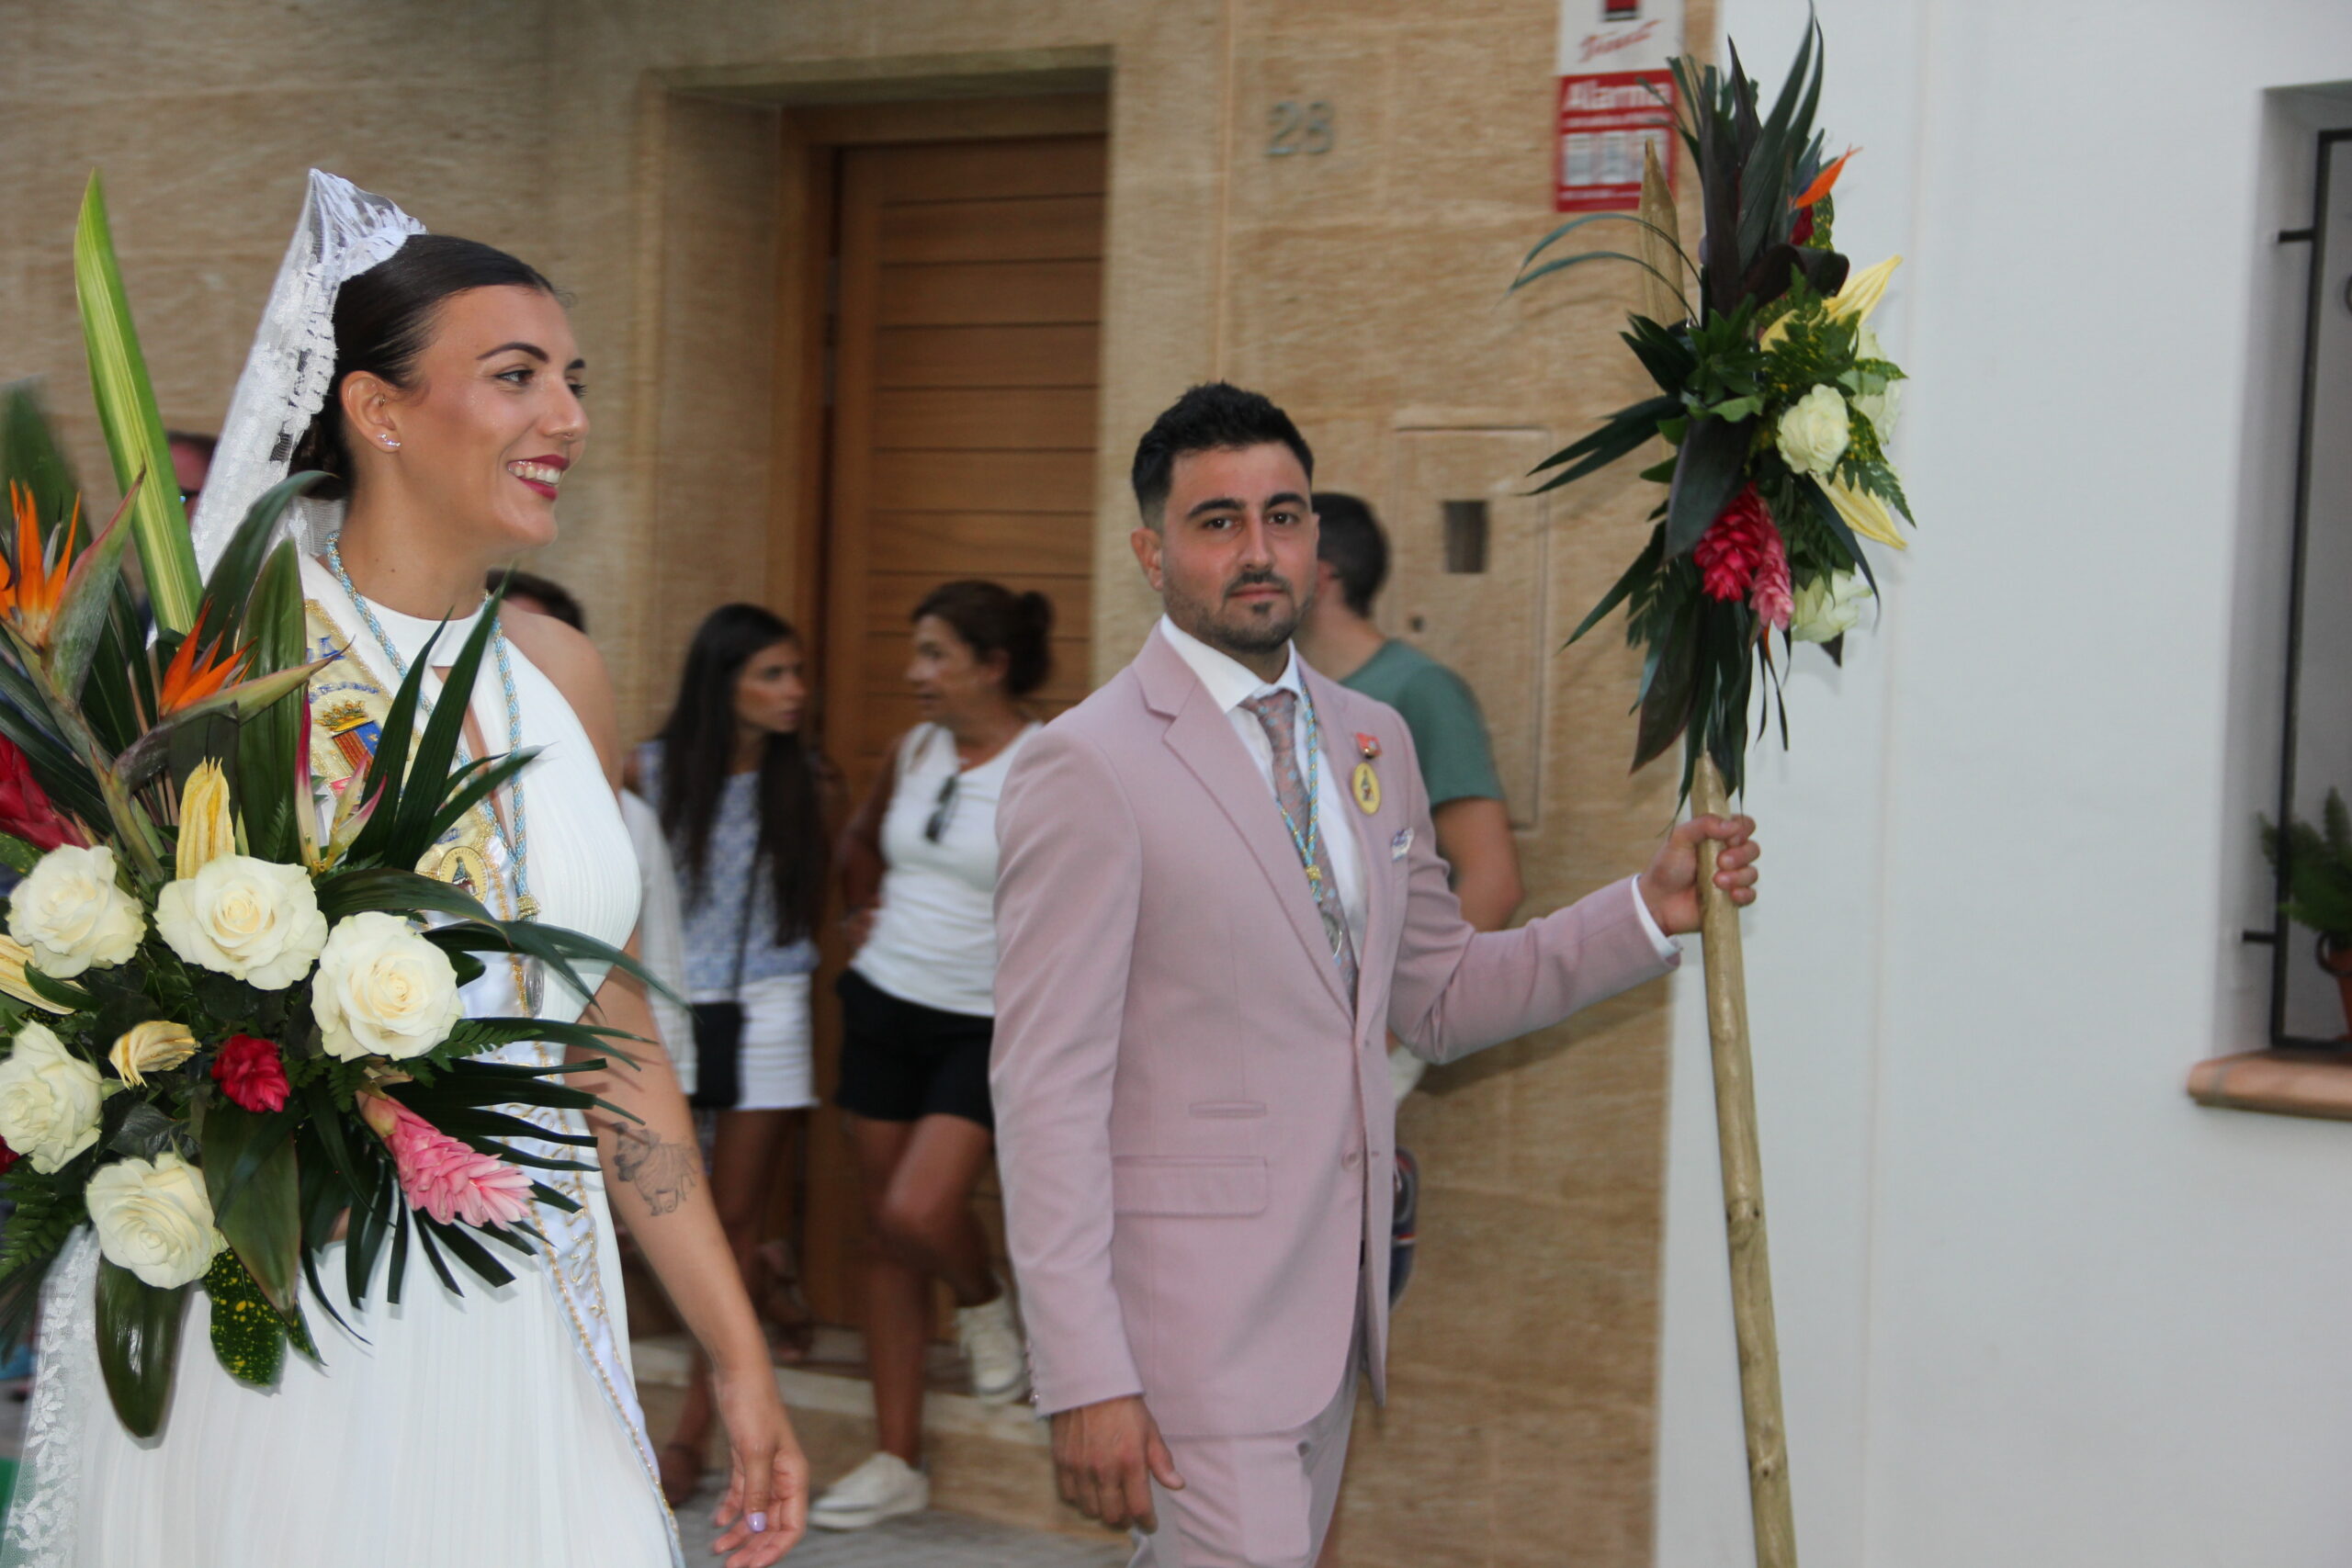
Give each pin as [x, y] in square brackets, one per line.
[14, 957]
[1855, 299]
[1865, 513]
[150, 1047]
[1863, 290]
[207, 829]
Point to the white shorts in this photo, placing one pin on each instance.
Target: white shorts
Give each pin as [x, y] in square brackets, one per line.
[777, 1067]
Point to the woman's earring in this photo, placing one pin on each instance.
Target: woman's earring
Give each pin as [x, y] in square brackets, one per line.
[391, 443]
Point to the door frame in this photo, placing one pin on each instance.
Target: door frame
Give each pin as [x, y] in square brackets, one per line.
[814, 137]
[815, 140]
[724, 435]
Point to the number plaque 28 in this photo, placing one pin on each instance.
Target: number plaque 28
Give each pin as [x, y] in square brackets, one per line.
[1300, 128]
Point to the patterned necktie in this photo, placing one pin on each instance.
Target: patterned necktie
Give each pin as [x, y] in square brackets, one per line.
[1273, 712]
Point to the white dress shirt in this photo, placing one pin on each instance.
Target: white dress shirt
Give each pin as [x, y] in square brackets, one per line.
[1231, 683]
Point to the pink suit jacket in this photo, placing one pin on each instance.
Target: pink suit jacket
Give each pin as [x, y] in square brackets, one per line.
[1196, 1131]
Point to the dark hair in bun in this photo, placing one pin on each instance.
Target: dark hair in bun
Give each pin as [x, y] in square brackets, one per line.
[383, 318]
[993, 619]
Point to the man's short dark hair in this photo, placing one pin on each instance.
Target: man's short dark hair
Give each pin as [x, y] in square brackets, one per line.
[208, 445]
[1350, 538]
[1215, 416]
[550, 595]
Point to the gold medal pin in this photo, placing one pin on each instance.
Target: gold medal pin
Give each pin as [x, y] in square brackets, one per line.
[1365, 785]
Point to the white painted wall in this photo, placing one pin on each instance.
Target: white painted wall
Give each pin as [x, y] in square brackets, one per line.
[2036, 1306]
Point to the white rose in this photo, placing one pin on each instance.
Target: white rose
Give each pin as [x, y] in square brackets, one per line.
[49, 1100]
[155, 1219]
[256, 919]
[1828, 607]
[70, 913]
[1814, 432]
[382, 990]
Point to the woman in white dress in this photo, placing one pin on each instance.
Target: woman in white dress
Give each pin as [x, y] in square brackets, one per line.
[498, 1427]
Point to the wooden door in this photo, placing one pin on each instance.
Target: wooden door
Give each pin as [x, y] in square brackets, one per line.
[970, 283]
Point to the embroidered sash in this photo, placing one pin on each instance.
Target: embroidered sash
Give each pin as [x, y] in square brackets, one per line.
[348, 704]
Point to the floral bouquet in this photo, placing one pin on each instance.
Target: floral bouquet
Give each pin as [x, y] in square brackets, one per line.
[233, 1036]
[1778, 402]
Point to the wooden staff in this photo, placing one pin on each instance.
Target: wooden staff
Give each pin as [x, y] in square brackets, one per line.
[1751, 1270]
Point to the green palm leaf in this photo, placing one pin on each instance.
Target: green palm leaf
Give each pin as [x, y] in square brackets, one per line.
[134, 430]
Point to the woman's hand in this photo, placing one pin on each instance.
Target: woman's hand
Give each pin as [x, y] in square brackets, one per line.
[645, 1145]
[767, 1485]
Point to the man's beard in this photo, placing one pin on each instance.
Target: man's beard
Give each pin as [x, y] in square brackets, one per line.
[1243, 631]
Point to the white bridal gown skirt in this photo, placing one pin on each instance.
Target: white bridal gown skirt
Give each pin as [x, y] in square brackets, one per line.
[484, 1429]
[467, 1431]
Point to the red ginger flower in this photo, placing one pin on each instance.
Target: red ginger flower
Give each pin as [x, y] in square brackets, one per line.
[25, 808]
[445, 1178]
[251, 1073]
[1771, 596]
[1735, 546]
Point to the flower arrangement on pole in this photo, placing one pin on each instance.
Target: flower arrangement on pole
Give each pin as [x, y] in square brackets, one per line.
[1775, 402]
[229, 998]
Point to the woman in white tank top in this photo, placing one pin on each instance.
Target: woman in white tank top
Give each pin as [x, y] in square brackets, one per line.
[917, 1008]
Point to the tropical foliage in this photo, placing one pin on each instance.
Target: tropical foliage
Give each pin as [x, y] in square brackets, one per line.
[2319, 870]
[228, 998]
[1776, 401]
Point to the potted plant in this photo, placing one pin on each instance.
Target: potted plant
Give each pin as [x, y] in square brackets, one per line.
[2319, 887]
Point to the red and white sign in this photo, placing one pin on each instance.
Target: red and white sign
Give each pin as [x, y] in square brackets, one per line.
[1616, 98]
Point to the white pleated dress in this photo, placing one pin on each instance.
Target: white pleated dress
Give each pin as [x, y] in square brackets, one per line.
[486, 1429]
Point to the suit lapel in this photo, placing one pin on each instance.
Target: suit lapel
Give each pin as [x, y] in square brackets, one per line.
[1201, 735]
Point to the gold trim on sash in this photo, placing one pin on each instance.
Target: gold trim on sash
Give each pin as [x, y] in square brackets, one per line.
[348, 704]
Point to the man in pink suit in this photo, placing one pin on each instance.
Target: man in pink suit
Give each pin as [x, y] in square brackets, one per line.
[1218, 891]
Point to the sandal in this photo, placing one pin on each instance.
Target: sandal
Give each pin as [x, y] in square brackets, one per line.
[680, 1465]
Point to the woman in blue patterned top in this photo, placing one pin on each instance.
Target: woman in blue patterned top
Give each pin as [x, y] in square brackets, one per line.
[741, 797]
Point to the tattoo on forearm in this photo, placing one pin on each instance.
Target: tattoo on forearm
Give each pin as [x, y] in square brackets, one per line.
[662, 1173]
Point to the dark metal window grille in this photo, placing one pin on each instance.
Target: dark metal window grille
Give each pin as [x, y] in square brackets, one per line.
[2292, 971]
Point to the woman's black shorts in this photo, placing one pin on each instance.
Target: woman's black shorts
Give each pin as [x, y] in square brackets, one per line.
[902, 1061]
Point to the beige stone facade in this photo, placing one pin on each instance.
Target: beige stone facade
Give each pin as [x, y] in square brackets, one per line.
[654, 159]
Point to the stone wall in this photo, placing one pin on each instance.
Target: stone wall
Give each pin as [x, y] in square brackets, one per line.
[632, 150]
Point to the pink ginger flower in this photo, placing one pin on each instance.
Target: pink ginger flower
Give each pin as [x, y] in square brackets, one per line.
[443, 1177]
[1769, 595]
[1733, 546]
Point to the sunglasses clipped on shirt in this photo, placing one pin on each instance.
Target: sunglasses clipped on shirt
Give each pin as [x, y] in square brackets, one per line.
[941, 810]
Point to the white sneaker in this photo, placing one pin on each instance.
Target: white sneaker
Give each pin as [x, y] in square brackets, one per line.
[882, 1488]
[993, 1352]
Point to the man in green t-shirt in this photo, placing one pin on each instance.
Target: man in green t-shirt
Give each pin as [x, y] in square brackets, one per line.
[1466, 793]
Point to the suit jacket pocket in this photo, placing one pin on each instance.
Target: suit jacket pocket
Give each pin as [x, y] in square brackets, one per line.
[1198, 1187]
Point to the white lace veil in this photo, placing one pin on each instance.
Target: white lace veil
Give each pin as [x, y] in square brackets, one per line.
[344, 231]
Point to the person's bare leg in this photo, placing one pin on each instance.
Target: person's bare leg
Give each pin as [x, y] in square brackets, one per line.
[743, 1166]
[746, 1161]
[927, 1210]
[898, 1297]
